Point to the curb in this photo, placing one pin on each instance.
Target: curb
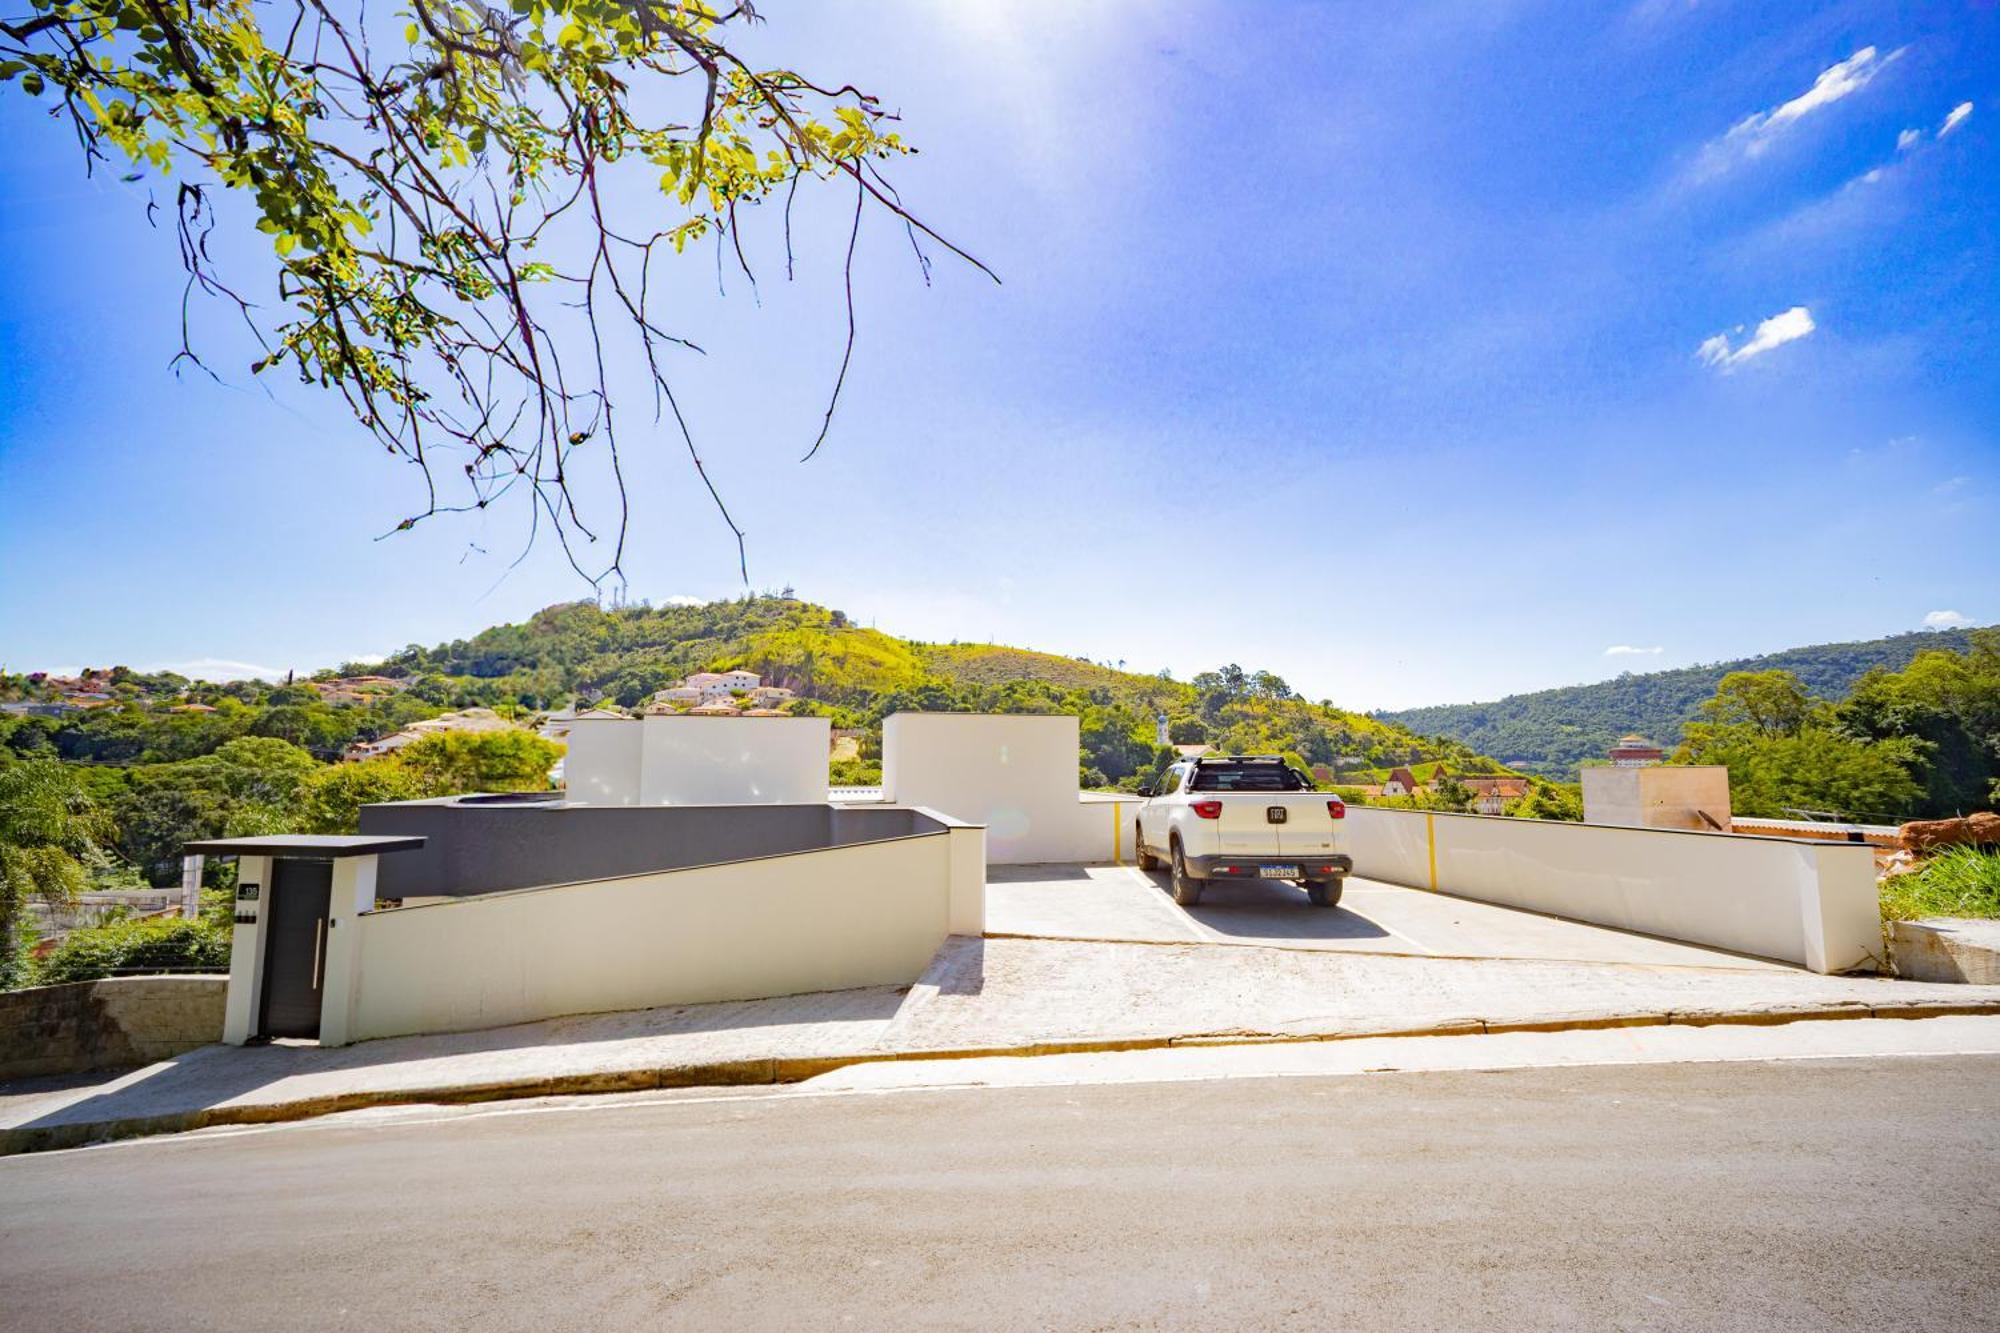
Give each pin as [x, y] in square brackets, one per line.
[778, 1070]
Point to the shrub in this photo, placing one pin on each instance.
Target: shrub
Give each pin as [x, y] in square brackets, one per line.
[1958, 881]
[1549, 800]
[854, 773]
[129, 947]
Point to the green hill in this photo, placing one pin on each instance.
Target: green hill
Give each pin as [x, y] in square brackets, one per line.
[1550, 732]
[859, 675]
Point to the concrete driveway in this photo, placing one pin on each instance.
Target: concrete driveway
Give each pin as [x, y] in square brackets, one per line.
[1125, 904]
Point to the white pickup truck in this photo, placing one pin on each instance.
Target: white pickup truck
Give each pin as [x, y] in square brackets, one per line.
[1242, 817]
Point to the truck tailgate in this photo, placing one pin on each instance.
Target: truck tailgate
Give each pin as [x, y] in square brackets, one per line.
[1248, 826]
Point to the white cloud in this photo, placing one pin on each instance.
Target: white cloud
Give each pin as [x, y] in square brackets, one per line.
[1628, 650]
[1750, 136]
[1908, 140]
[221, 668]
[1790, 326]
[1946, 620]
[1955, 119]
[682, 599]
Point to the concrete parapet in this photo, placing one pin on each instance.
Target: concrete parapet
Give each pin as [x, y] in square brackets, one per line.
[1947, 950]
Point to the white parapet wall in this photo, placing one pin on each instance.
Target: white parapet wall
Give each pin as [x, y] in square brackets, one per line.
[1813, 904]
[1014, 773]
[698, 761]
[865, 914]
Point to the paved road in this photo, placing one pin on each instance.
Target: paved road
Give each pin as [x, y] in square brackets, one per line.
[1841, 1193]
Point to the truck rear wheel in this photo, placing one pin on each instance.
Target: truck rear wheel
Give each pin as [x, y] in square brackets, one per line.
[1187, 889]
[1325, 892]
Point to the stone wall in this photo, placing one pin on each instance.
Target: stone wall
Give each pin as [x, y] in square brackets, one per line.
[109, 1024]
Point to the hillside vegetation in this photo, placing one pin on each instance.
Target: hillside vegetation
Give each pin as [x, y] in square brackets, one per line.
[858, 675]
[1552, 732]
[149, 761]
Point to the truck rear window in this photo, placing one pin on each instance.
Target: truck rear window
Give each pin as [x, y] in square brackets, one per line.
[1247, 777]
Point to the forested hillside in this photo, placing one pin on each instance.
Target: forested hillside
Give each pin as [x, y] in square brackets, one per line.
[160, 759]
[1551, 732]
[858, 675]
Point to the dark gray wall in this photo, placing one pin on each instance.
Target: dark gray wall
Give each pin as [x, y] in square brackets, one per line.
[472, 848]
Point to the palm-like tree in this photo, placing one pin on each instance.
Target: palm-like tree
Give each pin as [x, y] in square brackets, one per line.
[49, 830]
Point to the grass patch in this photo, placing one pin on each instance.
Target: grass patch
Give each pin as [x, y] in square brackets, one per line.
[1959, 881]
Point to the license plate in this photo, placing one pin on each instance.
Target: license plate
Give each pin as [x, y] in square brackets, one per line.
[1277, 872]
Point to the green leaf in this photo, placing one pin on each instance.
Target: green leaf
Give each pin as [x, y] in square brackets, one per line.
[31, 84]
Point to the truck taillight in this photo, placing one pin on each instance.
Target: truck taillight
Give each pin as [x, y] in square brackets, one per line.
[1336, 810]
[1207, 809]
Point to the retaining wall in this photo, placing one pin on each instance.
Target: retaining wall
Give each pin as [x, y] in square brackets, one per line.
[110, 1024]
[1813, 904]
[864, 914]
[1947, 950]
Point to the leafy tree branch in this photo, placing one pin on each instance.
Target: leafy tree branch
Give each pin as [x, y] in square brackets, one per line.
[448, 204]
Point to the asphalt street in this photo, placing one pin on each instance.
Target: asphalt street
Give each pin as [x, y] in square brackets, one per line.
[1840, 1193]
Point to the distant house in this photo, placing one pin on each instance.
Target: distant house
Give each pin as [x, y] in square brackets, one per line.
[1400, 782]
[557, 725]
[711, 685]
[470, 719]
[1192, 751]
[1635, 752]
[721, 707]
[1494, 794]
[37, 708]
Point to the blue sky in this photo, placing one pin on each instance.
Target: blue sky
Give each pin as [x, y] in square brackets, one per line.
[1418, 356]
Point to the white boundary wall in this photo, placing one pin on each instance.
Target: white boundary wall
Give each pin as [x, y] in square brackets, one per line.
[698, 761]
[1014, 773]
[1813, 904]
[869, 914]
